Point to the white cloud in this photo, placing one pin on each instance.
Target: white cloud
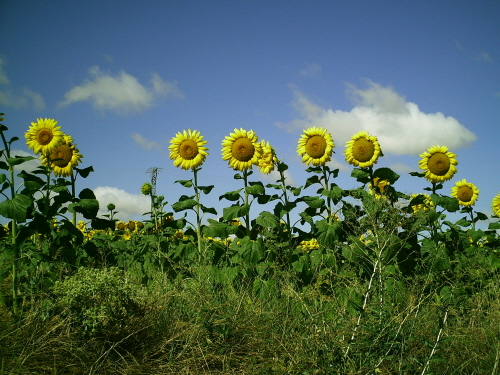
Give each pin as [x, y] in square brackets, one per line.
[127, 204]
[484, 57]
[122, 93]
[312, 70]
[144, 142]
[401, 127]
[18, 98]
[401, 168]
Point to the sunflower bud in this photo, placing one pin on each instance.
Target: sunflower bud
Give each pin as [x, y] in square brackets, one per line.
[146, 188]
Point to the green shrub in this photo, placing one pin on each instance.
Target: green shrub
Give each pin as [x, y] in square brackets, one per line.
[99, 301]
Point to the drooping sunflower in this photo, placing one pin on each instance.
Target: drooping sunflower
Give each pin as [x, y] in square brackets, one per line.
[43, 135]
[63, 158]
[465, 192]
[315, 146]
[268, 159]
[438, 164]
[241, 149]
[363, 150]
[146, 188]
[495, 205]
[187, 149]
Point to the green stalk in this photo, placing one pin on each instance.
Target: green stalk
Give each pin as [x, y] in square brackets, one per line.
[15, 245]
[285, 197]
[328, 199]
[73, 194]
[247, 216]
[197, 210]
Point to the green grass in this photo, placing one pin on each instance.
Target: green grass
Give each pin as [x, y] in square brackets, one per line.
[207, 324]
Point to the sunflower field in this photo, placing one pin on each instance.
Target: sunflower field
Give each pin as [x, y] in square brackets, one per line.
[362, 281]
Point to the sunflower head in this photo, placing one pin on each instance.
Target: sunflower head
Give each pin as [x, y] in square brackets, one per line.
[187, 149]
[438, 164]
[426, 204]
[241, 149]
[363, 150]
[43, 136]
[268, 159]
[465, 192]
[315, 146]
[495, 205]
[63, 157]
[146, 188]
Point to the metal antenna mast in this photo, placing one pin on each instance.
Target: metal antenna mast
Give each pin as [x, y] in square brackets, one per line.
[154, 173]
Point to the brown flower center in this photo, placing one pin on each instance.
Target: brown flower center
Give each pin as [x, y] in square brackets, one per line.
[243, 149]
[465, 193]
[363, 149]
[44, 136]
[439, 164]
[316, 146]
[188, 149]
[61, 156]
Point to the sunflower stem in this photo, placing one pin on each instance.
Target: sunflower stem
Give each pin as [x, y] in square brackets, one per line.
[285, 197]
[73, 194]
[15, 245]
[247, 216]
[197, 210]
[328, 199]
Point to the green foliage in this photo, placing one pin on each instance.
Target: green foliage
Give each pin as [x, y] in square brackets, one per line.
[98, 301]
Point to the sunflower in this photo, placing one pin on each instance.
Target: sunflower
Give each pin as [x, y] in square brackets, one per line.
[495, 205]
[315, 146]
[63, 158]
[438, 164]
[187, 149]
[268, 159]
[363, 150]
[146, 188]
[426, 205]
[465, 192]
[43, 136]
[241, 149]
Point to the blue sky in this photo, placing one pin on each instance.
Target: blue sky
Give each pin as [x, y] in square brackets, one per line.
[123, 77]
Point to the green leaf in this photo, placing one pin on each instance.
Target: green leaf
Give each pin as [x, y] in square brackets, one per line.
[84, 172]
[494, 225]
[233, 212]
[86, 194]
[282, 167]
[329, 233]
[335, 193]
[480, 216]
[102, 224]
[206, 189]
[417, 174]
[15, 208]
[255, 188]
[386, 174]
[311, 180]
[361, 175]
[19, 160]
[231, 195]
[185, 183]
[184, 205]
[450, 204]
[215, 229]
[314, 202]
[209, 210]
[4, 165]
[267, 220]
[13, 139]
[3, 178]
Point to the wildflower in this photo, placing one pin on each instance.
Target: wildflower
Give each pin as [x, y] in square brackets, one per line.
[312, 244]
[495, 205]
[63, 157]
[146, 188]
[315, 146]
[268, 159]
[43, 136]
[465, 192]
[438, 164]
[363, 150]
[241, 149]
[187, 149]
[425, 206]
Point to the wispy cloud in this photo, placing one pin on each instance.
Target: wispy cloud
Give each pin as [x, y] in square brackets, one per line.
[144, 142]
[401, 127]
[17, 98]
[122, 93]
[484, 57]
[128, 205]
[312, 70]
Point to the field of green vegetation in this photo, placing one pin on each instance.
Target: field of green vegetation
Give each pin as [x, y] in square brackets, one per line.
[367, 281]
